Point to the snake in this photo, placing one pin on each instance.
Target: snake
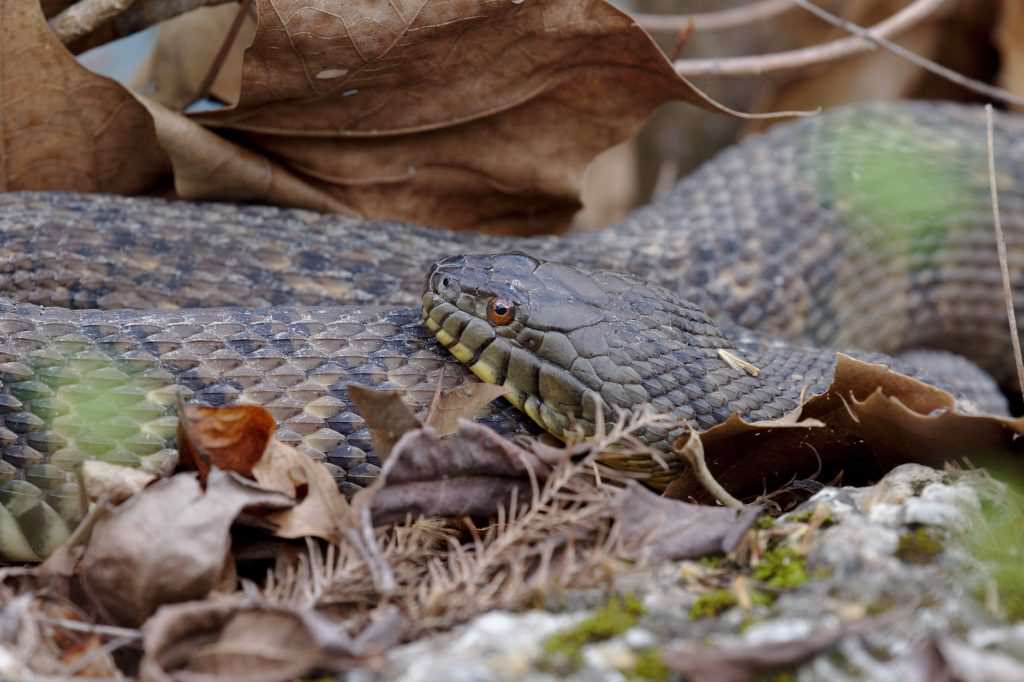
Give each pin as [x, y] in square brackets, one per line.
[866, 229]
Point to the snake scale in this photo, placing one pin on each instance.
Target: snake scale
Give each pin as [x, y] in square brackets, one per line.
[868, 228]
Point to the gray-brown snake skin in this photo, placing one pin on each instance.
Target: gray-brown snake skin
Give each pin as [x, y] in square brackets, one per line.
[865, 228]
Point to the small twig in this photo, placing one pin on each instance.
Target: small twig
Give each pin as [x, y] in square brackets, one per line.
[222, 54]
[693, 451]
[877, 38]
[85, 16]
[1004, 267]
[92, 628]
[135, 16]
[794, 59]
[722, 20]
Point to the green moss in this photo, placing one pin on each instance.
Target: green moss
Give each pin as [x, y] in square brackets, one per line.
[563, 650]
[778, 677]
[712, 603]
[648, 666]
[782, 568]
[806, 516]
[712, 561]
[764, 522]
[918, 546]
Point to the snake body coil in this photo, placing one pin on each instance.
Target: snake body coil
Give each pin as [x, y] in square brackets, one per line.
[865, 228]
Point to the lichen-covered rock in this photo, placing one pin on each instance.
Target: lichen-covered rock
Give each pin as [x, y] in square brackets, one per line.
[880, 582]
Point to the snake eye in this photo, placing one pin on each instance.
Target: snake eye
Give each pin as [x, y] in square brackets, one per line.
[500, 310]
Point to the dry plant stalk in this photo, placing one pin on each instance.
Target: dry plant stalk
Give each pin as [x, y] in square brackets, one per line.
[1001, 250]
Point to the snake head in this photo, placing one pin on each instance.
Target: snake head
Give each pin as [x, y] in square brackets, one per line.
[566, 342]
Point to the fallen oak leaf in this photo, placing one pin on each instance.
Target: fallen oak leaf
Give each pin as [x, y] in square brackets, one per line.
[445, 116]
[241, 639]
[68, 128]
[169, 543]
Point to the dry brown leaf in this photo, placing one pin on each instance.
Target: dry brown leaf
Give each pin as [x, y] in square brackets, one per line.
[184, 52]
[470, 473]
[322, 510]
[237, 639]
[873, 420]
[469, 114]
[461, 403]
[661, 529]
[103, 481]
[167, 544]
[230, 438]
[386, 415]
[63, 127]
[203, 159]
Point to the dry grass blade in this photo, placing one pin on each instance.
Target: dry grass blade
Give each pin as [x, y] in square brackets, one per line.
[1001, 248]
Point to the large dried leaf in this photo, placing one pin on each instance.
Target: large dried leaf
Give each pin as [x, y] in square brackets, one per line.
[168, 544]
[870, 420]
[63, 127]
[228, 640]
[466, 114]
[202, 159]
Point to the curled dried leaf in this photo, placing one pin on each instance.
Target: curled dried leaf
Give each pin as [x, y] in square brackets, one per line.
[870, 420]
[243, 639]
[230, 438]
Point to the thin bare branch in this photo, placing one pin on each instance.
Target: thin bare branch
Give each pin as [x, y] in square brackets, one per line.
[92, 628]
[866, 40]
[912, 57]
[85, 16]
[126, 17]
[1001, 249]
[722, 20]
